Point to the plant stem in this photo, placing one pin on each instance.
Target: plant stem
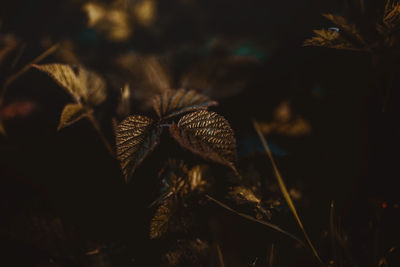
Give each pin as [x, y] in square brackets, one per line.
[96, 126]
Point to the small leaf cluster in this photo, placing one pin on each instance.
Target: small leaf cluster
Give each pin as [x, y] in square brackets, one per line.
[86, 88]
[196, 129]
[349, 35]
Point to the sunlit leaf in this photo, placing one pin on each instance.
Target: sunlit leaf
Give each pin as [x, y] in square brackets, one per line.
[174, 102]
[207, 134]
[160, 222]
[81, 83]
[71, 114]
[136, 137]
[345, 25]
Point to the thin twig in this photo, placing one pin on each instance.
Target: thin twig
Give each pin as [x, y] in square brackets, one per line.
[284, 190]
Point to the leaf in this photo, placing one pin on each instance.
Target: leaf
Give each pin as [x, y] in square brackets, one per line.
[71, 114]
[244, 194]
[174, 102]
[160, 222]
[207, 134]
[329, 39]
[79, 82]
[136, 137]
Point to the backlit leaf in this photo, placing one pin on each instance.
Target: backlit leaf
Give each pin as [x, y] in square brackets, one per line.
[160, 222]
[207, 134]
[175, 102]
[136, 137]
[81, 83]
[71, 114]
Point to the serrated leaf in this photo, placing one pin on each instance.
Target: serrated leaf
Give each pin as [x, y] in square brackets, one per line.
[136, 137]
[71, 114]
[79, 82]
[174, 102]
[207, 134]
[160, 222]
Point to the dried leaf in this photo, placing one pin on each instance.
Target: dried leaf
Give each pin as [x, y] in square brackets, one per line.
[81, 83]
[207, 134]
[71, 114]
[160, 222]
[329, 39]
[174, 102]
[136, 137]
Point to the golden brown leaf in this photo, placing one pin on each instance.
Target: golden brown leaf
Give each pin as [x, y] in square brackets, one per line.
[174, 102]
[81, 83]
[241, 193]
[160, 222]
[136, 137]
[112, 22]
[71, 114]
[346, 26]
[207, 134]
[392, 14]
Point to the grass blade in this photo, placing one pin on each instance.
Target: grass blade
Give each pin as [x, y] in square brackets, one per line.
[284, 190]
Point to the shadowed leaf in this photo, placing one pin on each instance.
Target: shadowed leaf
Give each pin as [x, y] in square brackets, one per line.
[81, 83]
[207, 134]
[71, 114]
[174, 102]
[136, 137]
[160, 223]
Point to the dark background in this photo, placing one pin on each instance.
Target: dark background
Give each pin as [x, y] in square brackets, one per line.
[61, 193]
